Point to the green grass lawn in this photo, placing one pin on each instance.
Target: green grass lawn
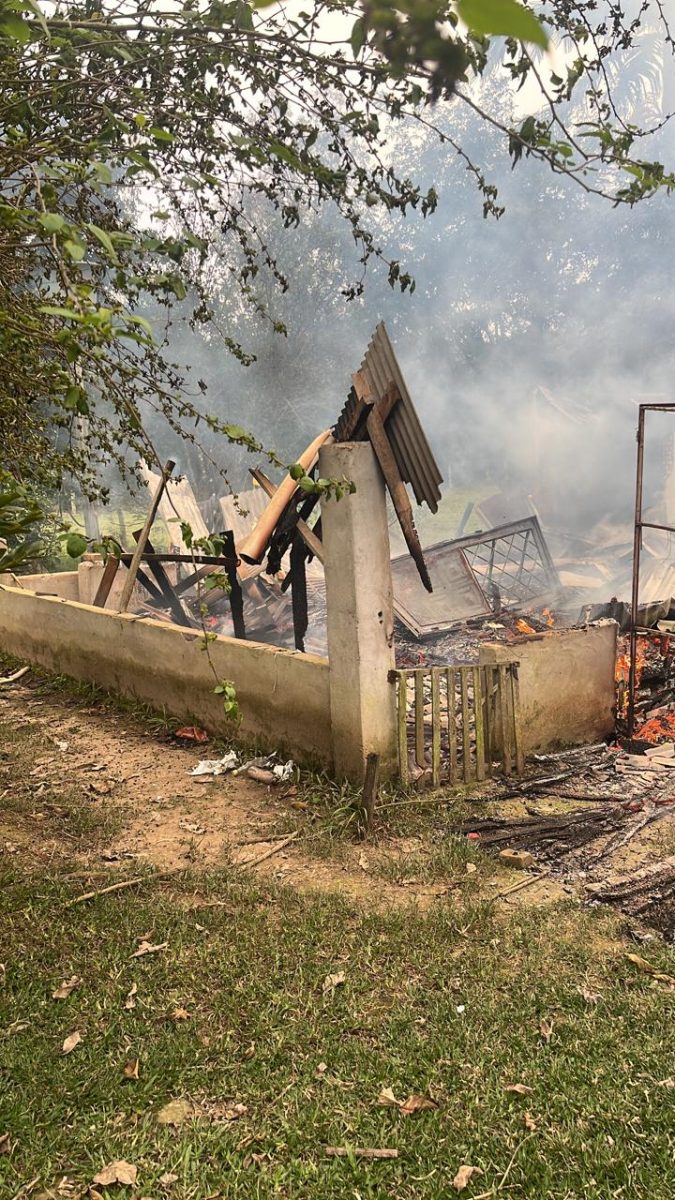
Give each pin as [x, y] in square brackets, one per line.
[447, 1006]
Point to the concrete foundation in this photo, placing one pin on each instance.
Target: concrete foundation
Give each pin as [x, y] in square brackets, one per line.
[566, 684]
[360, 613]
[283, 696]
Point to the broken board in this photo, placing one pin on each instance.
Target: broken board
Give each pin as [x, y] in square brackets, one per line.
[456, 594]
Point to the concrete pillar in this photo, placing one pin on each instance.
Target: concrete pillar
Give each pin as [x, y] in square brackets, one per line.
[360, 614]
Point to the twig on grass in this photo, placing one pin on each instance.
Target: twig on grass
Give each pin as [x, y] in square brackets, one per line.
[119, 887]
[253, 862]
[359, 1152]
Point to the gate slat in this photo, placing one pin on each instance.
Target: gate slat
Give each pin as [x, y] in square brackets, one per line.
[452, 728]
[478, 722]
[466, 733]
[435, 727]
[419, 719]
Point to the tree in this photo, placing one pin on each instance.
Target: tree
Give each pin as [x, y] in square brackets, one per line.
[132, 133]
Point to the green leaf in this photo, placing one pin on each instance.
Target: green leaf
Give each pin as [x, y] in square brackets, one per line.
[103, 172]
[75, 545]
[357, 38]
[160, 135]
[105, 240]
[17, 29]
[75, 249]
[505, 18]
[52, 222]
[53, 310]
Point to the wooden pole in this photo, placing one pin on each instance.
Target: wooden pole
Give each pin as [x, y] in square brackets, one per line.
[143, 538]
[369, 794]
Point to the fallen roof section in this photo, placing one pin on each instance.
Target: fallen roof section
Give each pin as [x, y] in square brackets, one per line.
[409, 444]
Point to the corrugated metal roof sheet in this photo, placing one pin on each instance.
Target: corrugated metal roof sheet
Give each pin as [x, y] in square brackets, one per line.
[412, 451]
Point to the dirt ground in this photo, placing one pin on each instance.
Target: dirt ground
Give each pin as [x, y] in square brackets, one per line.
[129, 777]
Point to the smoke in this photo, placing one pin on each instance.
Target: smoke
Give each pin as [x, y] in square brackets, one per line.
[527, 343]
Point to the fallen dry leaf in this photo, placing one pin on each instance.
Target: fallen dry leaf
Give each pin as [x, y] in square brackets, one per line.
[471, 868]
[667, 1083]
[331, 982]
[233, 1112]
[167, 1179]
[176, 1112]
[521, 1089]
[180, 1014]
[464, 1176]
[130, 1003]
[417, 1104]
[363, 862]
[131, 1069]
[71, 1042]
[529, 1122]
[546, 1029]
[64, 989]
[589, 996]
[148, 948]
[192, 733]
[388, 1099]
[117, 1172]
[648, 969]
[5, 1143]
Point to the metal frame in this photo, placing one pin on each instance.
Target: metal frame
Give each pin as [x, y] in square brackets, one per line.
[638, 526]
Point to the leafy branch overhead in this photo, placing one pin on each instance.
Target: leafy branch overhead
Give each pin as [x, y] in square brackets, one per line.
[140, 142]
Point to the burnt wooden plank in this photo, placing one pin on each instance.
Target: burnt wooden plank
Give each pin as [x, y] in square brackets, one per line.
[107, 579]
[397, 490]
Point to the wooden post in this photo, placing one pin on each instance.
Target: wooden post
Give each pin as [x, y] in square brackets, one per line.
[143, 538]
[369, 794]
[402, 715]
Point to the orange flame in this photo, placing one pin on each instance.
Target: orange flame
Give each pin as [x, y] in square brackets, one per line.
[657, 729]
[548, 616]
[523, 627]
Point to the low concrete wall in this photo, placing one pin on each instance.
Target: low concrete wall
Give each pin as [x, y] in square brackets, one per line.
[283, 696]
[65, 584]
[566, 683]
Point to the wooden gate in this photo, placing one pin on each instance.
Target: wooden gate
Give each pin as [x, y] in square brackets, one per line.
[456, 723]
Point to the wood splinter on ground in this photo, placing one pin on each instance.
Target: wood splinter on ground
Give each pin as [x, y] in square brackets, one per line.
[253, 862]
[14, 676]
[359, 1152]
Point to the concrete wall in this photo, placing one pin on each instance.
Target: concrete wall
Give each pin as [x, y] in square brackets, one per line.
[283, 696]
[566, 683]
[360, 612]
[65, 584]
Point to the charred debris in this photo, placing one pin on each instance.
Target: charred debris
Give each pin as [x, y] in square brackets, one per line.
[509, 571]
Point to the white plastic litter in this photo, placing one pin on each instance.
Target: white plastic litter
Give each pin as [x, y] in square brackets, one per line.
[284, 771]
[216, 766]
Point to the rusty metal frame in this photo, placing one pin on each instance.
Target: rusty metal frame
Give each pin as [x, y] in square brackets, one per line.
[638, 527]
[530, 530]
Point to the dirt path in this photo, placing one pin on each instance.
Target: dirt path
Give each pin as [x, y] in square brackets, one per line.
[137, 780]
[83, 780]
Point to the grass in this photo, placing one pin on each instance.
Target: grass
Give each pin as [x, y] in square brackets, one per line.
[44, 799]
[447, 1006]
